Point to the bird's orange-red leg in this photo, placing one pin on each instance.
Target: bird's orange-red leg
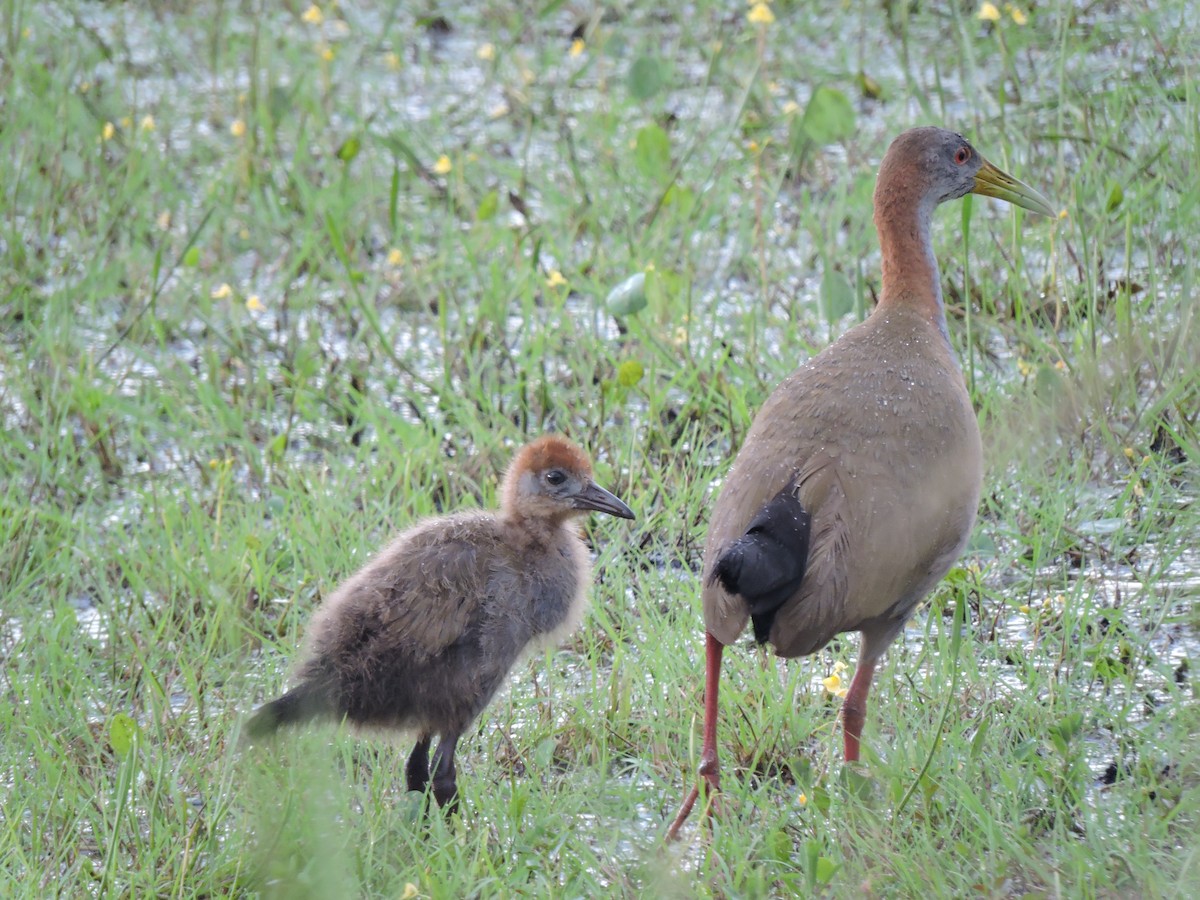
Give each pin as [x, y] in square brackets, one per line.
[854, 707]
[710, 768]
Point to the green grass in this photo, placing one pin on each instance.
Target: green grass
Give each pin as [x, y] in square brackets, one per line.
[184, 477]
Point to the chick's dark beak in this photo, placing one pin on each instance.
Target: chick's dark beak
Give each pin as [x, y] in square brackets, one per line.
[595, 497]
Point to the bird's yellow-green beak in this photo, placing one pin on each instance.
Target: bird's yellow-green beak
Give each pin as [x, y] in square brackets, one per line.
[992, 182]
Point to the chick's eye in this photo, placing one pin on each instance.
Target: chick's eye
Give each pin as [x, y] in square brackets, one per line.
[961, 155]
[555, 477]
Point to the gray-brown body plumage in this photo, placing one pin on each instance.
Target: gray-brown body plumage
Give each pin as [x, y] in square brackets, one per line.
[877, 439]
[422, 637]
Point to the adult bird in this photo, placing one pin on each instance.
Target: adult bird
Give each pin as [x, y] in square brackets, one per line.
[857, 484]
[422, 637]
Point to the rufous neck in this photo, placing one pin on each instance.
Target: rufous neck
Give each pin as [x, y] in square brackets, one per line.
[910, 271]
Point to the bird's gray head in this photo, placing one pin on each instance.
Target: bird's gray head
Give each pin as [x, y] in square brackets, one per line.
[940, 165]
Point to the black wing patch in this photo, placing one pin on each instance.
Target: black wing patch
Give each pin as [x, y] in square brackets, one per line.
[766, 565]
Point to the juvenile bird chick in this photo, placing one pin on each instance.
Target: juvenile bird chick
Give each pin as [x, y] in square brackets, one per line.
[422, 637]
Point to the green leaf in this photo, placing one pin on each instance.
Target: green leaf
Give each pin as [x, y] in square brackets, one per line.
[72, 164]
[191, 259]
[122, 731]
[349, 148]
[652, 153]
[829, 116]
[837, 297]
[779, 845]
[630, 373]
[487, 206]
[819, 799]
[980, 736]
[1066, 731]
[681, 199]
[628, 297]
[543, 753]
[646, 77]
[1116, 196]
[868, 86]
[824, 869]
[279, 103]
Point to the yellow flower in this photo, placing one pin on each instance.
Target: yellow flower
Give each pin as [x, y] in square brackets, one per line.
[1024, 368]
[1129, 453]
[147, 123]
[1017, 15]
[237, 128]
[393, 61]
[555, 279]
[108, 131]
[410, 891]
[221, 291]
[791, 108]
[760, 14]
[313, 15]
[1062, 214]
[802, 798]
[486, 52]
[443, 165]
[1024, 607]
[833, 684]
[988, 13]
[395, 257]
[577, 47]
[254, 304]
[1060, 365]
[326, 52]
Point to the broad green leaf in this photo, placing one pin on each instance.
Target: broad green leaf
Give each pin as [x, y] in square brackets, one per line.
[1116, 195]
[628, 297]
[646, 77]
[122, 731]
[652, 153]
[679, 198]
[825, 869]
[487, 206]
[630, 373]
[829, 116]
[349, 148]
[837, 297]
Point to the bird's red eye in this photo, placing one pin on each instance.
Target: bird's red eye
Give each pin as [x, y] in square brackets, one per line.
[962, 154]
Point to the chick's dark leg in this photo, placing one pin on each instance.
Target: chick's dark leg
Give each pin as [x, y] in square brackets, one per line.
[445, 778]
[416, 772]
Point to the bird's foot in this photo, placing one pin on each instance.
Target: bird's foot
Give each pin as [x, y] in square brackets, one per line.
[712, 806]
